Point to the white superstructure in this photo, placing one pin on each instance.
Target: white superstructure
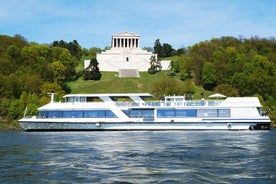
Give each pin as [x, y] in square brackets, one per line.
[134, 111]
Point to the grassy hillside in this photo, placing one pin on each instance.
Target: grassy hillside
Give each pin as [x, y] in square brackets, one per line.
[111, 83]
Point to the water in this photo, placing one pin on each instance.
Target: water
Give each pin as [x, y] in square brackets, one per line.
[138, 157]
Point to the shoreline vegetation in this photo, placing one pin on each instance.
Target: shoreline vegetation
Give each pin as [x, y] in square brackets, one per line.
[9, 125]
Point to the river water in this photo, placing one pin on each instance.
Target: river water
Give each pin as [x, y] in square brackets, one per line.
[138, 157]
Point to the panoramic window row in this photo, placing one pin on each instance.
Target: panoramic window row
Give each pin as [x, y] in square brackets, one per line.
[139, 113]
[78, 114]
[178, 113]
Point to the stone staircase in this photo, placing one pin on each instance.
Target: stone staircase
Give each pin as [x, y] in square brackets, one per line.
[128, 73]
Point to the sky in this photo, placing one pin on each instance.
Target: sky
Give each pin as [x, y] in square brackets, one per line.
[180, 23]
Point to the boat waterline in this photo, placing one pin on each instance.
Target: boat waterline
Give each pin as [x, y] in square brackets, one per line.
[119, 126]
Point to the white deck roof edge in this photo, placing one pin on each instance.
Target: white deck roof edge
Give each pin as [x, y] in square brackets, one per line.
[109, 94]
[241, 102]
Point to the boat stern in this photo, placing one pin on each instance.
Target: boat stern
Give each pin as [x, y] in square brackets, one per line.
[260, 126]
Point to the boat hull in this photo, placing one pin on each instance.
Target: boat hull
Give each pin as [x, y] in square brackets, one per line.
[128, 126]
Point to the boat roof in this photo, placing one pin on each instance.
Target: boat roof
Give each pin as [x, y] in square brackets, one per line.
[109, 95]
[241, 102]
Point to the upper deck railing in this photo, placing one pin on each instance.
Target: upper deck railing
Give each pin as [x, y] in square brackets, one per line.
[170, 104]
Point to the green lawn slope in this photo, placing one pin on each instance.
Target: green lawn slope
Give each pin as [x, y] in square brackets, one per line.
[111, 83]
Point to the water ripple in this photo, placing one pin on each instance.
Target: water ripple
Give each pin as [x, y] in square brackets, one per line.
[138, 157]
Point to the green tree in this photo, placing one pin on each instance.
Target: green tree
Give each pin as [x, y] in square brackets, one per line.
[13, 51]
[4, 106]
[29, 55]
[15, 109]
[209, 77]
[13, 86]
[155, 65]
[168, 86]
[48, 88]
[33, 104]
[85, 51]
[7, 66]
[260, 83]
[184, 65]
[92, 72]
[73, 47]
[164, 50]
[69, 63]
[226, 89]
[198, 65]
[189, 87]
[93, 51]
[158, 48]
[181, 51]
[167, 50]
[59, 71]
[240, 82]
[32, 83]
[30, 102]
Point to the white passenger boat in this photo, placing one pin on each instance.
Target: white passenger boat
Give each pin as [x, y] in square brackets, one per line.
[134, 111]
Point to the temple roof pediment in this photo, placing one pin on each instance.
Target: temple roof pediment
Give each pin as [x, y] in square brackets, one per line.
[125, 34]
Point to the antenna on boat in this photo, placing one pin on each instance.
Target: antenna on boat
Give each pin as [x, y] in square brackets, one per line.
[25, 111]
[52, 97]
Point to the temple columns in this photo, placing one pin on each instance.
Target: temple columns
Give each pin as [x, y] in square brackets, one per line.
[125, 43]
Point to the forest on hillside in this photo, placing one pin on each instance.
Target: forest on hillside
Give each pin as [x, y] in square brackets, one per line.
[235, 67]
[229, 65]
[30, 70]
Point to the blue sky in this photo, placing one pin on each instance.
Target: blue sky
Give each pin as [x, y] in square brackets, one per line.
[180, 23]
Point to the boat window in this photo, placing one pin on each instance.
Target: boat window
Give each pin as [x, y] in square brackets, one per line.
[70, 99]
[148, 112]
[136, 113]
[165, 113]
[224, 112]
[54, 114]
[185, 112]
[77, 99]
[94, 114]
[83, 99]
[110, 114]
[99, 114]
[207, 112]
[180, 99]
[93, 99]
[89, 99]
[72, 114]
[126, 112]
[43, 114]
[77, 114]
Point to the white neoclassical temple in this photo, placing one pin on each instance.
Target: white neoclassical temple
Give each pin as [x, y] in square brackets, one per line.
[126, 55]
